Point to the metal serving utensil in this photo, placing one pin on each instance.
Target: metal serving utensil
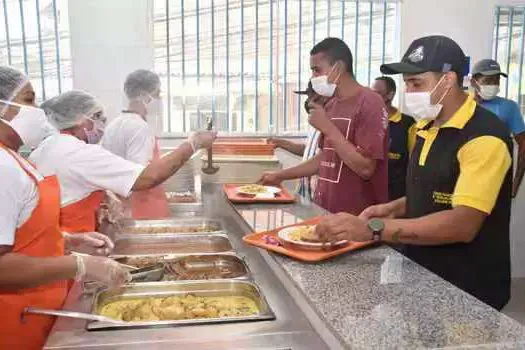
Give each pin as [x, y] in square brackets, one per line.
[210, 169]
[66, 313]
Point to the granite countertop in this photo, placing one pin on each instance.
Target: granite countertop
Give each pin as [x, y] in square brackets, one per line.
[378, 299]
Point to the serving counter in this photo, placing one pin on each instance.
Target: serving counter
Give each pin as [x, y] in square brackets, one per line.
[372, 299]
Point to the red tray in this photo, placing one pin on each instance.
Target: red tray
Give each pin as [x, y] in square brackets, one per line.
[284, 197]
[257, 239]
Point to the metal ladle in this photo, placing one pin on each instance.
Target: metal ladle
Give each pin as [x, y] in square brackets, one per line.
[66, 313]
[210, 169]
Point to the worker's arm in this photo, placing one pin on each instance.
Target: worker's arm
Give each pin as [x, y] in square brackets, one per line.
[484, 163]
[292, 147]
[36, 271]
[349, 154]
[458, 225]
[514, 120]
[394, 209]
[520, 169]
[305, 169]
[162, 169]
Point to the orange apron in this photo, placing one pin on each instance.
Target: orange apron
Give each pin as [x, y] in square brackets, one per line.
[81, 216]
[39, 236]
[150, 204]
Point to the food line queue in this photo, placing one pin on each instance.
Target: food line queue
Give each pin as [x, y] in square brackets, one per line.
[443, 221]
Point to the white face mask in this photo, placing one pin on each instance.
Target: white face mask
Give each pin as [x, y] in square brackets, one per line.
[419, 104]
[322, 86]
[31, 124]
[488, 92]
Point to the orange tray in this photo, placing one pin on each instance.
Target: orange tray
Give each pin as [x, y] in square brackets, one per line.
[257, 239]
[284, 197]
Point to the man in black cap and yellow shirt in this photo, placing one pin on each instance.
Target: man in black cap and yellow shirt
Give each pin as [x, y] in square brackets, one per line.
[455, 217]
[401, 129]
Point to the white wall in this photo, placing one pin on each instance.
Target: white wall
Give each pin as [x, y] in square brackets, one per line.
[468, 22]
[109, 39]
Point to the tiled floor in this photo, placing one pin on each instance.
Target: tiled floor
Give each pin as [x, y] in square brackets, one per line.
[516, 306]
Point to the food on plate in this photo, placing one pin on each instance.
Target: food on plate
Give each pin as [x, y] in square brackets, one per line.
[304, 234]
[181, 197]
[171, 229]
[252, 189]
[179, 308]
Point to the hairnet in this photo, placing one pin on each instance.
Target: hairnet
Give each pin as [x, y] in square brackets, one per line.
[141, 83]
[70, 108]
[11, 82]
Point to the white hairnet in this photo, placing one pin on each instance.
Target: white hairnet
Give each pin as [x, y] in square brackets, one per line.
[11, 82]
[70, 108]
[141, 83]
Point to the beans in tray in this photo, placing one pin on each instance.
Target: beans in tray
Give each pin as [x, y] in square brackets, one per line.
[181, 270]
[192, 267]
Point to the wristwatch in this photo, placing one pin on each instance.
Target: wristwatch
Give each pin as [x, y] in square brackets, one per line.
[376, 226]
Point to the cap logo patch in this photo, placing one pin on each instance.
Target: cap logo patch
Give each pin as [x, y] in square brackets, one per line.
[417, 55]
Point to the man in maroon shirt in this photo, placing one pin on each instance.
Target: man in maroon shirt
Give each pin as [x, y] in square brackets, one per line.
[353, 164]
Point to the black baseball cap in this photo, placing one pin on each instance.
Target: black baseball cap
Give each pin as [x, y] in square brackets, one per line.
[487, 67]
[309, 90]
[435, 53]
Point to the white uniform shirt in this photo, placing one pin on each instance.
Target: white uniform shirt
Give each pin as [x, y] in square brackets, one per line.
[18, 196]
[307, 185]
[82, 168]
[130, 137]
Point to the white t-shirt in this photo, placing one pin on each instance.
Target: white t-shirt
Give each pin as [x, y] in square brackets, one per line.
[130, 137]
[82, 168]
[18, 196]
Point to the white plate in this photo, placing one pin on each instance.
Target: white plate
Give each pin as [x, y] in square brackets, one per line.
[284, 234]
[269, 190]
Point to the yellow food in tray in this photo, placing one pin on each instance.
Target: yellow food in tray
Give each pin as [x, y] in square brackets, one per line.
[252, 189]
[179, 308]
[304, 234]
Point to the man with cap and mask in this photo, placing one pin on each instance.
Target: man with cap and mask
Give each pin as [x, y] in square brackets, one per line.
[352, 166]
[307, 150]
[455, 217]
[486, 83]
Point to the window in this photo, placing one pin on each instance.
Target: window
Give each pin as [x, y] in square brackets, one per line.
[239, 61]
[34, 38]
[509, 50]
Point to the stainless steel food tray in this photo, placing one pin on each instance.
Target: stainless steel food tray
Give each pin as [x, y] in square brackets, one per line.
[197, 288]
[145, 245]
[178, 224]
[195, 267]
[186, 209]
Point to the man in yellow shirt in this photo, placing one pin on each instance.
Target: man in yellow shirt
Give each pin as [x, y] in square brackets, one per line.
[401, 129]
[455, 217]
